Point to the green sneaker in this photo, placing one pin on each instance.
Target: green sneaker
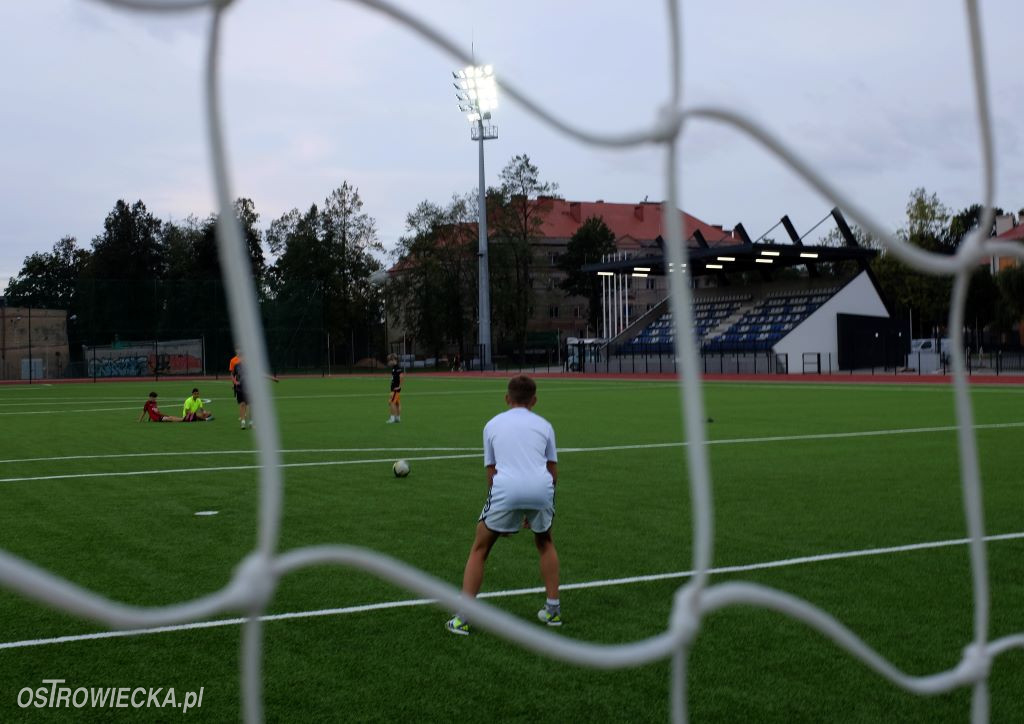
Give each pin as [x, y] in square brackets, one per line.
[551, 619]
[457, 626]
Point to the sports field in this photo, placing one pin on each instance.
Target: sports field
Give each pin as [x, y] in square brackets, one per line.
[799, 471]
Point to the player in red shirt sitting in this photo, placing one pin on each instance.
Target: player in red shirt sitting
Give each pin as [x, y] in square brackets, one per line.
[154, 413]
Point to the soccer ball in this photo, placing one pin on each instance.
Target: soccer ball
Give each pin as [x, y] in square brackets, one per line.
[400, 468]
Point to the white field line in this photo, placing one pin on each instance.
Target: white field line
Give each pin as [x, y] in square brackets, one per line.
[603, 448]
[223, 468]
[383, 605]
[548, 389]
[340, 395]
[193, 453]
[64, 412]
[554, 385]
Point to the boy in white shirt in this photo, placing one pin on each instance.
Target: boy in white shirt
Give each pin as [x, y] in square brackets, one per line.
[522, 470]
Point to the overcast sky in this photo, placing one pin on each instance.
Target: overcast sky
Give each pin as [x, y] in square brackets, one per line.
[100, 104]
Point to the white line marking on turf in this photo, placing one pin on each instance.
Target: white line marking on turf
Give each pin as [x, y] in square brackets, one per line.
[383, 605]
[193, 453]
[348, 395]
[64, 412]
[603, 448]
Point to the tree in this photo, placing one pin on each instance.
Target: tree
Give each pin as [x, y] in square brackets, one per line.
[129, 247]
[965, 221]
[588, 245]
[49, 280]
[843, 269]
[321, 280]
[120, 281]
[926, 295]
[434, 296]
[245, 212]
[980, 309]
[1010, 309]
[516, 221]
[927, 222]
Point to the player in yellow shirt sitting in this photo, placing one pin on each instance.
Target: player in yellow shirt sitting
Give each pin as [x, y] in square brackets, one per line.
[193, 410]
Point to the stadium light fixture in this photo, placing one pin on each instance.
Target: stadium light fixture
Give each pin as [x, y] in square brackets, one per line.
[808, 255]
[726, 258]
[642, 275]
[606, 274]
[764, 261]
[768, 253]
[641, 268]
[715, 266]
[477, 94]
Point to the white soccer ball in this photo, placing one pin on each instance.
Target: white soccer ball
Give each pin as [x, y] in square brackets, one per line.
[400, 468]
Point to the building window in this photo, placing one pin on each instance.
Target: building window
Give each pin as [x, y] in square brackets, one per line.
[553, 258]
[577, 312]
[651, 283]
[553, 311]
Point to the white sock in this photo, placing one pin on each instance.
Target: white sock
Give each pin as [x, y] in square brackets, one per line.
[552, 605]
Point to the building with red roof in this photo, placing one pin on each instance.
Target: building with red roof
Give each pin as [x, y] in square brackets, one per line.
[639, 231]
[1014, 233]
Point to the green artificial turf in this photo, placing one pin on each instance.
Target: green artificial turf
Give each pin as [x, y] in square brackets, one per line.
[789, 481]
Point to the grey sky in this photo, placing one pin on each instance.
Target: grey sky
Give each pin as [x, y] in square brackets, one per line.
[100, 104]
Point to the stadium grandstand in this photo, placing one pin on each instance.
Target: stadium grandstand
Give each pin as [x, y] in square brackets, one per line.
[759, 306]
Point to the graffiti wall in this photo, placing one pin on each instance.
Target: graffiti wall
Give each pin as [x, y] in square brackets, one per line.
[145, 359]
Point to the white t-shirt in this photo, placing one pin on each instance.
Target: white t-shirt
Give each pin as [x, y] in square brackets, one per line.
[520, 444]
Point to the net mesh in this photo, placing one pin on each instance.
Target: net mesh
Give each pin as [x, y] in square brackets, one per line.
[255, 578]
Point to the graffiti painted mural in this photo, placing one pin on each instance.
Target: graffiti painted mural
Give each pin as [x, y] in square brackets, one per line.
[127, 366]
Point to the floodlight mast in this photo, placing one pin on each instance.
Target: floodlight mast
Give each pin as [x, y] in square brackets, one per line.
[477, 94]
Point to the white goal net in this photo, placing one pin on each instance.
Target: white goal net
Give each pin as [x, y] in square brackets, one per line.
[256, 576]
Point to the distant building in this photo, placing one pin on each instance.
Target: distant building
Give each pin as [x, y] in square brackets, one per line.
[639, 230]
[1006, 231]
[33, 343]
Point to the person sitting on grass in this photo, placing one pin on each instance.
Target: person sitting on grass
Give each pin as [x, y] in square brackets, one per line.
[193, 410]
[151, 409]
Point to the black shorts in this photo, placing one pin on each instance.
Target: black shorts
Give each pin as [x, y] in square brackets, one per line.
[240, 395]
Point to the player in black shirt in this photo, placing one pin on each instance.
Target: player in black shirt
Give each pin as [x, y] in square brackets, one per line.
[395, 399]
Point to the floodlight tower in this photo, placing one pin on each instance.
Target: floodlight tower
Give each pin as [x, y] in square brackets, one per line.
[478, 96]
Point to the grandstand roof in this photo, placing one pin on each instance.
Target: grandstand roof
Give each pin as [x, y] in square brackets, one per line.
[738, 258]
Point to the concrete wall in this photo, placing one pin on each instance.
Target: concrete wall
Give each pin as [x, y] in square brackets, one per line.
[817, 333]
[44, 340]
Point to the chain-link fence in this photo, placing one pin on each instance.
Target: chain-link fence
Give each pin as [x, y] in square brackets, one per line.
[151, 329]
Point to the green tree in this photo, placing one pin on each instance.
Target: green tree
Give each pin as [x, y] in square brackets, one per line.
[320, 283]
[927, 222]
[515, 220]
[120, 283]
[434, 297]
[926, 295]
[245, 212]
[965, 221]
[980, 309]
[1010, 308]
[130, 246]
[49, 279]
[588, 245]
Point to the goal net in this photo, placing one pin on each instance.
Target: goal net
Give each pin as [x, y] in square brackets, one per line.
[254, 581]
